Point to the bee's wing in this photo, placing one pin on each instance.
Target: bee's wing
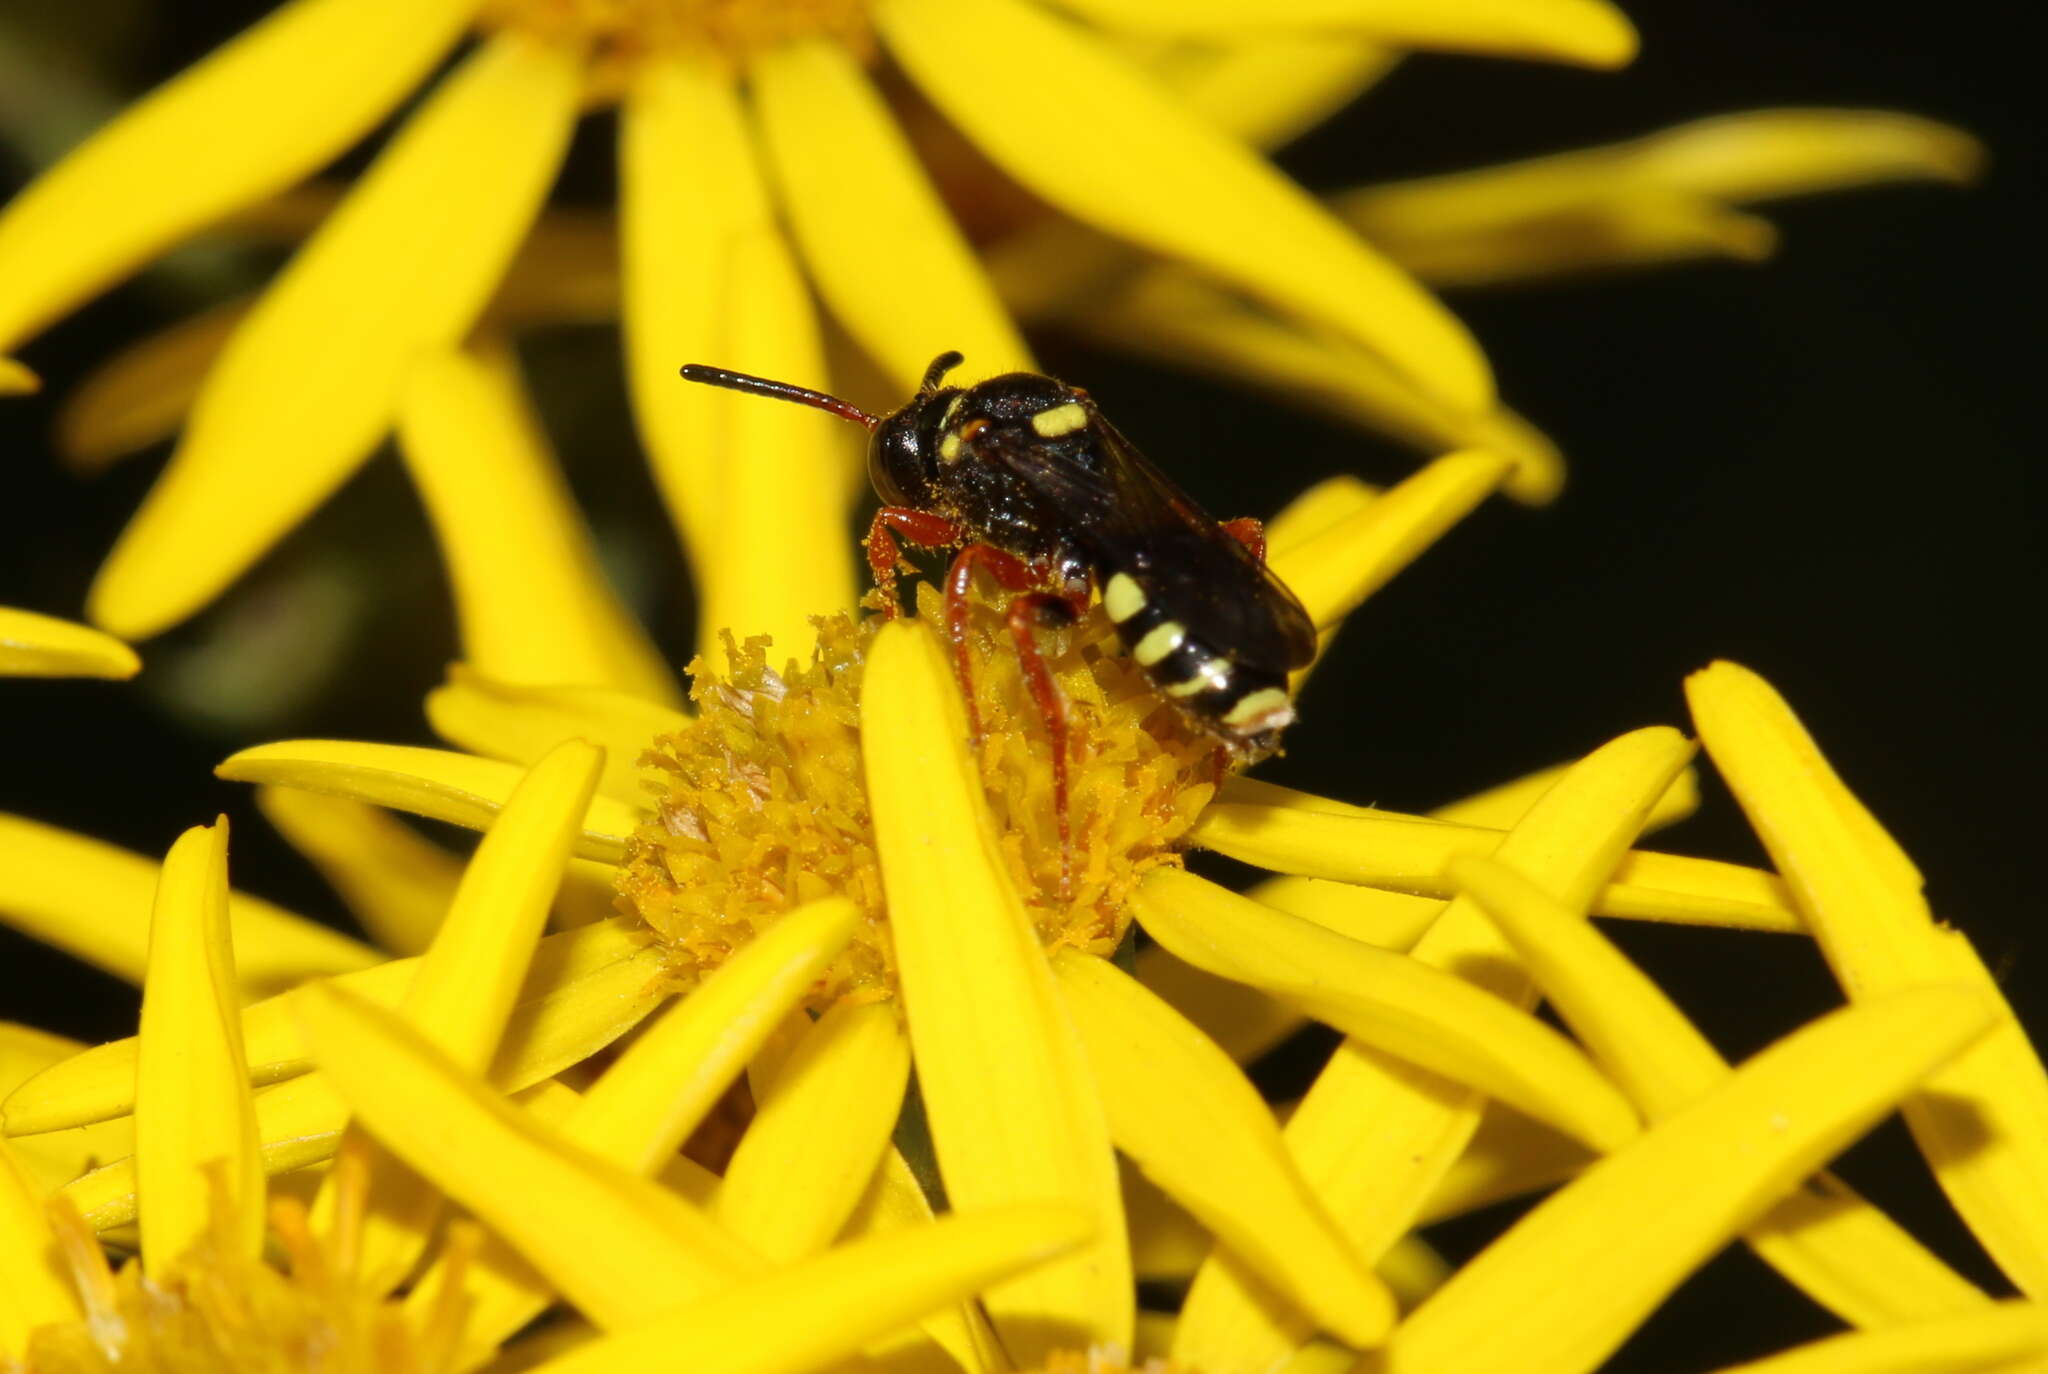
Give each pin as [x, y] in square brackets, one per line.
[1132, 516]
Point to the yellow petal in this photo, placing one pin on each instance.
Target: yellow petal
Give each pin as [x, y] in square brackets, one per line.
[587, 987]
[462, 993]
[1586, 32]
[16, 379]
[445, 786]
[28, 1050]
[1618, 230]
[533, 602]
[34, 645]
[195, 1127]
[621, 1248]
[253, 117]
[141, 394]
[298, 1124]
[1323, 506]
[674, 222]
[1390, 920]
[1197, 1127]
[35, 1287]
[317, 367]
[759, 490]
[1375, 1136]
[822, 1124]
[92, 900]
[1014, 1113]
[1244, 1022]
[1402, 1006]
[637, 1114]
[1852, 880]
[1983, 1124]
[813, 1314]
[1762, 154]
[1569, 1282]
[1407, 854]
[1094, 136]
[395, 881]
[1413, 1270]
[641, 1109]
[1166, 1243]
[1654, 198]
[1753, 155]
[1509, 1155]
[1334, 571]
[1168, 313]
[1269, 88]
[1846, 1254]
[57, 1158]
[953, 1337]
[1500, 807]
[520, 723]
[1998, 1336]
[879, 243]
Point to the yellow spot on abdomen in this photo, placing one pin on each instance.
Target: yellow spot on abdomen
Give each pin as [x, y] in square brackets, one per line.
[1051, 424]
[1123, 597]
[1211, 675]
[1267, 701]
[1160, 642]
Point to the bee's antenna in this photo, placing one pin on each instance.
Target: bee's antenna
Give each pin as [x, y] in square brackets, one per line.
[781, 391]
[941, 365]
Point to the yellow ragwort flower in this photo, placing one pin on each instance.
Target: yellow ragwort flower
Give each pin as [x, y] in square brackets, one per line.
[850, 780]
[560, 1176]
[732, 118]
[879, 896]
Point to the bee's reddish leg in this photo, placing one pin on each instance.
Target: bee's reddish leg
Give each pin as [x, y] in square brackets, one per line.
[1249, 531]
[1012, 574]
[1051, 703]
[921, 528]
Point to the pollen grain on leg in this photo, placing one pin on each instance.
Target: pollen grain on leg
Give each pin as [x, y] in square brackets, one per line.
[759, 803]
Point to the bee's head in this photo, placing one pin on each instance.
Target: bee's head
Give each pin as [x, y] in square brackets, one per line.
[908, 446]
[903, 450]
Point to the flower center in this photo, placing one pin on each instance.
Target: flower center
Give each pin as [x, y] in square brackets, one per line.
[219, 1309]
[621, 30]
[761, 805]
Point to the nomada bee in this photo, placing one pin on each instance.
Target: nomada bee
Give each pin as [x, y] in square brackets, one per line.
[1023, 475]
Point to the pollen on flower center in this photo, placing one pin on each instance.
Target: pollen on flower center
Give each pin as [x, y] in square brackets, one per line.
[219, 1309]
[619, 30]
[760, 803]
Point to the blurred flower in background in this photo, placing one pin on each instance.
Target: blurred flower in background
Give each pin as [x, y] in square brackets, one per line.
[935, 171]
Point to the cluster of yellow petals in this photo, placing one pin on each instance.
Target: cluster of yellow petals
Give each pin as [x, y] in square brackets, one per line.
[761, 804]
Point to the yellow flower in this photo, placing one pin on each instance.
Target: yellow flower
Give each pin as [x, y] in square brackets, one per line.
[559, 1175]
[1033, 1057]
[409, 259]
[1424, 940]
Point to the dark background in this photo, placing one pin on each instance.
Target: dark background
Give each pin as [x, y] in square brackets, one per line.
[1820, 467]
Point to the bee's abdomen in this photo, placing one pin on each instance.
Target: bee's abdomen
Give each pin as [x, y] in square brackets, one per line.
[1245, 703]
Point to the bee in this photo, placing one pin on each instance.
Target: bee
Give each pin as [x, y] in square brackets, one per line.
[1025, 477]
